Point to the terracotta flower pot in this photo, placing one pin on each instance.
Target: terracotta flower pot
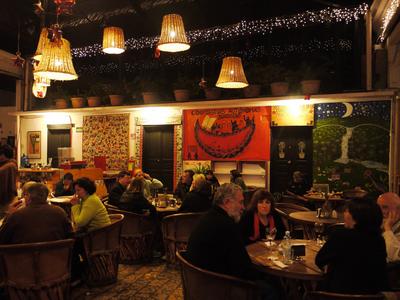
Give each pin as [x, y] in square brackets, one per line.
[279, 88]
[61, 103]
[252, 91]
[77, 102]
[116, 99]
[150, 97]
[309, 87]
[94, 101]
[182, 95]
[212, 93]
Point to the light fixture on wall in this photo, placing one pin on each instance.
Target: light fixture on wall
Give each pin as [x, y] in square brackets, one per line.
[43, 40]
[113, 40]
[56, 62]
[232, 74]
[39, 91]
[173, 36]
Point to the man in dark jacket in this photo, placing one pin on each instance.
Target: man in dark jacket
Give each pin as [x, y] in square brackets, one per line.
[37, 221]
[65, 187]
[183, 186]
[123, 180]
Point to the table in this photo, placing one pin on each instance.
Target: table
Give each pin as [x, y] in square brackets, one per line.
[318, 199]
[299, 277]
[64, 202]
[310, 217]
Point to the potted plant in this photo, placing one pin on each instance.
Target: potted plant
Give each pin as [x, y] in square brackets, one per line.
[95, 94]
[59, 96]
[310, 74]
[115, 92]
[78, 100]
[278, 79]
[255, 74]
[150, 88]
[182, 87]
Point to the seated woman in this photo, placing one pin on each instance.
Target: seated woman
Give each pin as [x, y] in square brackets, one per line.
[356, 255]
[212, 181]
[236, 178]
[259, 217]
[133, 199]
[88, 212]
[298, 186]
[65, 186]
[199, 197]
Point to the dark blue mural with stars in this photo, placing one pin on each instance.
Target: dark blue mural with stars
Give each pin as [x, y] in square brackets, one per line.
[351, 145]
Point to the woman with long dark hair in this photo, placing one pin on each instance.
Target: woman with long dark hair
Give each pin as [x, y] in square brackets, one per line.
[261, 218]
[355, 256]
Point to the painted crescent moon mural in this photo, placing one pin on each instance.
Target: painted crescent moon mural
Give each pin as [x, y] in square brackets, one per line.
[224, 145]
[349, 110]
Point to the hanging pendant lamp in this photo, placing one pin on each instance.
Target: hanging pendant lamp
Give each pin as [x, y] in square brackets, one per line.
[232, 74]
[173, 37]
[56, 63]
[43, 81]
[43, 40]
[39, 91]
[113, 40]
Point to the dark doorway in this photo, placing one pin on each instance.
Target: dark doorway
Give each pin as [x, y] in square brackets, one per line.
[291, 150]
[57, 136]
[158, 153]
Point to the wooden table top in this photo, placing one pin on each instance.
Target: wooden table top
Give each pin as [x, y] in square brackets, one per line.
[311, 217]
[304, 269]
[320, 197]
[29, 170]
[61, 199]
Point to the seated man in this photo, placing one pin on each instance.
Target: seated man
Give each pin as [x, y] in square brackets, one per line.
[390, 206]
[37, 222]
[183, 186]
[65, 187]
[216, 243]
[123, 180]
[150, 184]
[199, 197]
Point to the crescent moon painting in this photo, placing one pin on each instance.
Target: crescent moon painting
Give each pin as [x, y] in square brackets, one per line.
[349, 110]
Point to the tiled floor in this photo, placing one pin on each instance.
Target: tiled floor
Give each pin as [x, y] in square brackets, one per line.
[150, 281]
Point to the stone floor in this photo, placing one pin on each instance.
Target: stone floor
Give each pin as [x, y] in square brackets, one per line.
[151, 281]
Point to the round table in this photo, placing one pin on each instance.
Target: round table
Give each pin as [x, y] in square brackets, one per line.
[64, 202]
[311, 218]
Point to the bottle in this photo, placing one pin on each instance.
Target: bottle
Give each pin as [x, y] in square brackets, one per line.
[287, 248]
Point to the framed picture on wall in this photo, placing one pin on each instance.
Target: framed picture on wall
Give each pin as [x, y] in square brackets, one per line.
[33, 144]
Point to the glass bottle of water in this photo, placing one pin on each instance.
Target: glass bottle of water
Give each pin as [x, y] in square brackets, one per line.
[287, 248]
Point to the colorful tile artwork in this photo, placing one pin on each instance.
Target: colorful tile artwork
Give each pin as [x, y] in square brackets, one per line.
[106, 135]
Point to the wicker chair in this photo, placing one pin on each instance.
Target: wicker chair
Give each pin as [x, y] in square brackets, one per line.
[202, 284]
[298, 230]
[176, 230]
[136, 237]
[101, 250]
[333, 296]
[37, 270]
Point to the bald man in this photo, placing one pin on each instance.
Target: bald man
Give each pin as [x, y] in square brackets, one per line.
[390, 206]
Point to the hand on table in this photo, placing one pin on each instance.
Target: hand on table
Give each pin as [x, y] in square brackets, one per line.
[392, 218]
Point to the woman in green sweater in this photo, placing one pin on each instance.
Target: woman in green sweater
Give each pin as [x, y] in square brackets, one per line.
[88, 212]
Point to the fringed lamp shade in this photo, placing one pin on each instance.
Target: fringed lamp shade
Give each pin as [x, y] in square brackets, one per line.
[113, 40]
[173, 37]
[56, 63]
[232, 75]
[43, 81]
[39, 91]
[43, 40]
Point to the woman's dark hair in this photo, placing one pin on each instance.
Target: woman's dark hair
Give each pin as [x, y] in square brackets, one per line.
[257, 197]
[123, 174]
[137, 185]
[68, 176]
[235, 174]
[88, 185]
[367, 215]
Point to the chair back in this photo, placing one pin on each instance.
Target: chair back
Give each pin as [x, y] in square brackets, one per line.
[101, 248]
[298, 230]
[201, 284]
[176, 230]
[37, 270]
[332, 296]
[100, 162]
[136, 236]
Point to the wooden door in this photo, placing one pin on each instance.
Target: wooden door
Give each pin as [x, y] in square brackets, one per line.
[291, 150]
[158, 153]
[57, 138]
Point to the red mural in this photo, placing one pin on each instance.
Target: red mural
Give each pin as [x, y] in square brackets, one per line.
[227, 134]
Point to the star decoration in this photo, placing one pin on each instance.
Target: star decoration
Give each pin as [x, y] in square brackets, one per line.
[38, 8]
[18, 60]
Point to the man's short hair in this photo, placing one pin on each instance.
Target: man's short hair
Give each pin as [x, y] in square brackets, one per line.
[7, 151]
[37, 192]
[123, 174]
[68, 176]
[190, 171]
[225, 191]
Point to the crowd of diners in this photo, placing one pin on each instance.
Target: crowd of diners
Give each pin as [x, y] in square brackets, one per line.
[354, 257]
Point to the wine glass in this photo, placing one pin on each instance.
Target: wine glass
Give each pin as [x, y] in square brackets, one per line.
[319, 230]
[270, 234]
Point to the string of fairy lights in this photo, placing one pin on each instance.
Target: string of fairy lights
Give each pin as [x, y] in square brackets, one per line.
[387, 18]
[243, 28]
[331, 44]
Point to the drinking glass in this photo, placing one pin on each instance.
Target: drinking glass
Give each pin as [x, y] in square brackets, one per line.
[319, 230]
[270, 235]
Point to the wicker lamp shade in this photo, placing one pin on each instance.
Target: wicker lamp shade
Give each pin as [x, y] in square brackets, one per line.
[43, 81]
[232, 74]
[173, 37]
[113, 40]
[43, 40]
[56, 63]
[39, 91]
